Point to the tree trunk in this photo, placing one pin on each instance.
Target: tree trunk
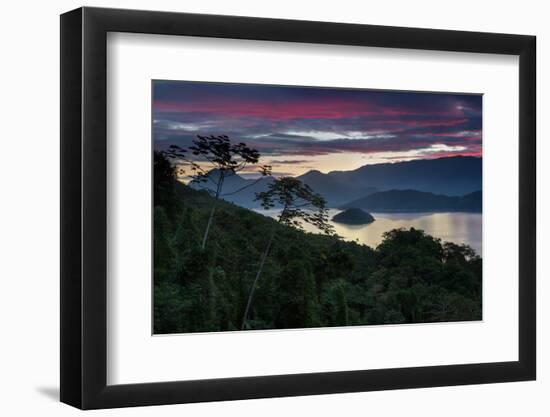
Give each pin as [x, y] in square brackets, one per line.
[205, 236]
[213, 210]
[260, 269]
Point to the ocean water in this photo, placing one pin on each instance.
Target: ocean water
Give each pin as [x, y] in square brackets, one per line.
[452, 227]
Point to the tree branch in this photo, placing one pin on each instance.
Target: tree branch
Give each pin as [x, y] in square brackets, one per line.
[242, 188]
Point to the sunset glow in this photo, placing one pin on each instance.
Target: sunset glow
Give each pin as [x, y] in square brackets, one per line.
[297, 129]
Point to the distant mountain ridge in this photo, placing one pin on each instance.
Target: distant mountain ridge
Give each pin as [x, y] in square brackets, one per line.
[417, 201]
[451, 176]
[336, 189]
[236, 189]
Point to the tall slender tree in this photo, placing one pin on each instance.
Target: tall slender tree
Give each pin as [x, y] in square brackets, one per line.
[299, 204]
[210, 161]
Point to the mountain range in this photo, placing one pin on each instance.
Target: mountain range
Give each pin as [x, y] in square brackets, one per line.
[416, 201]
[445, 177]
[452, 176]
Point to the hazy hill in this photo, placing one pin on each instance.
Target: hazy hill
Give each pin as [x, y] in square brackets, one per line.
[309, 280]
[454, 176]
[236, 189]
[417, 201]
[336, 189]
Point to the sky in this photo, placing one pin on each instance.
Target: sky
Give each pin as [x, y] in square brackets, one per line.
[297, 129]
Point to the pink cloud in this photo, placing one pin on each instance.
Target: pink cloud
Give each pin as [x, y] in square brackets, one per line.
[296, 109]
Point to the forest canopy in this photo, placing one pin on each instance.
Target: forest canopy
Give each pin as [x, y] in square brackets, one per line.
[308, 280]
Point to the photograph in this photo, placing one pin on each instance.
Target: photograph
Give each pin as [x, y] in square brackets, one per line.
[271, 206]
[292, 207]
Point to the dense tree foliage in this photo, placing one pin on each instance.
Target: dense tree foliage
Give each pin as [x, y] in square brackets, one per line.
[309, 280]
[298, 204]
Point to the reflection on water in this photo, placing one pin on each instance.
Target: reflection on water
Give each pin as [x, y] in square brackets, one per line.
[451, 227]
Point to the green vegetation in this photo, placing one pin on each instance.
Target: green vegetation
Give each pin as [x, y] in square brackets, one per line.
[353, 216]
[220, 156]
[298, 202]
[308, 280]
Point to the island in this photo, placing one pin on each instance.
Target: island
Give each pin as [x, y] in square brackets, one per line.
[353, 216]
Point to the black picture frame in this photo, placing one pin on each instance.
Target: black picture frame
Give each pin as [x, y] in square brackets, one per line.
[84, 207]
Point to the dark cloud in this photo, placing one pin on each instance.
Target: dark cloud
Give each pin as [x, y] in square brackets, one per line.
[282, 121]
[289, 161]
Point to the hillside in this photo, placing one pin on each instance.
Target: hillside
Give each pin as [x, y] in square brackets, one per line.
[452, 176]
[417, 201]
[336, 189]
[236, 189]
[309, 280]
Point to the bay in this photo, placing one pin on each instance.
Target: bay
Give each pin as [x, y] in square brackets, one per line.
[460, 228]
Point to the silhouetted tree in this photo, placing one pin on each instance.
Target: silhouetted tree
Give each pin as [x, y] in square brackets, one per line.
[299, 204]
[222, 160]
[164, 175]
[305, 280]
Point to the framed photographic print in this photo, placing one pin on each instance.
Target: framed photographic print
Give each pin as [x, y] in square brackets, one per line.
[257, 208]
